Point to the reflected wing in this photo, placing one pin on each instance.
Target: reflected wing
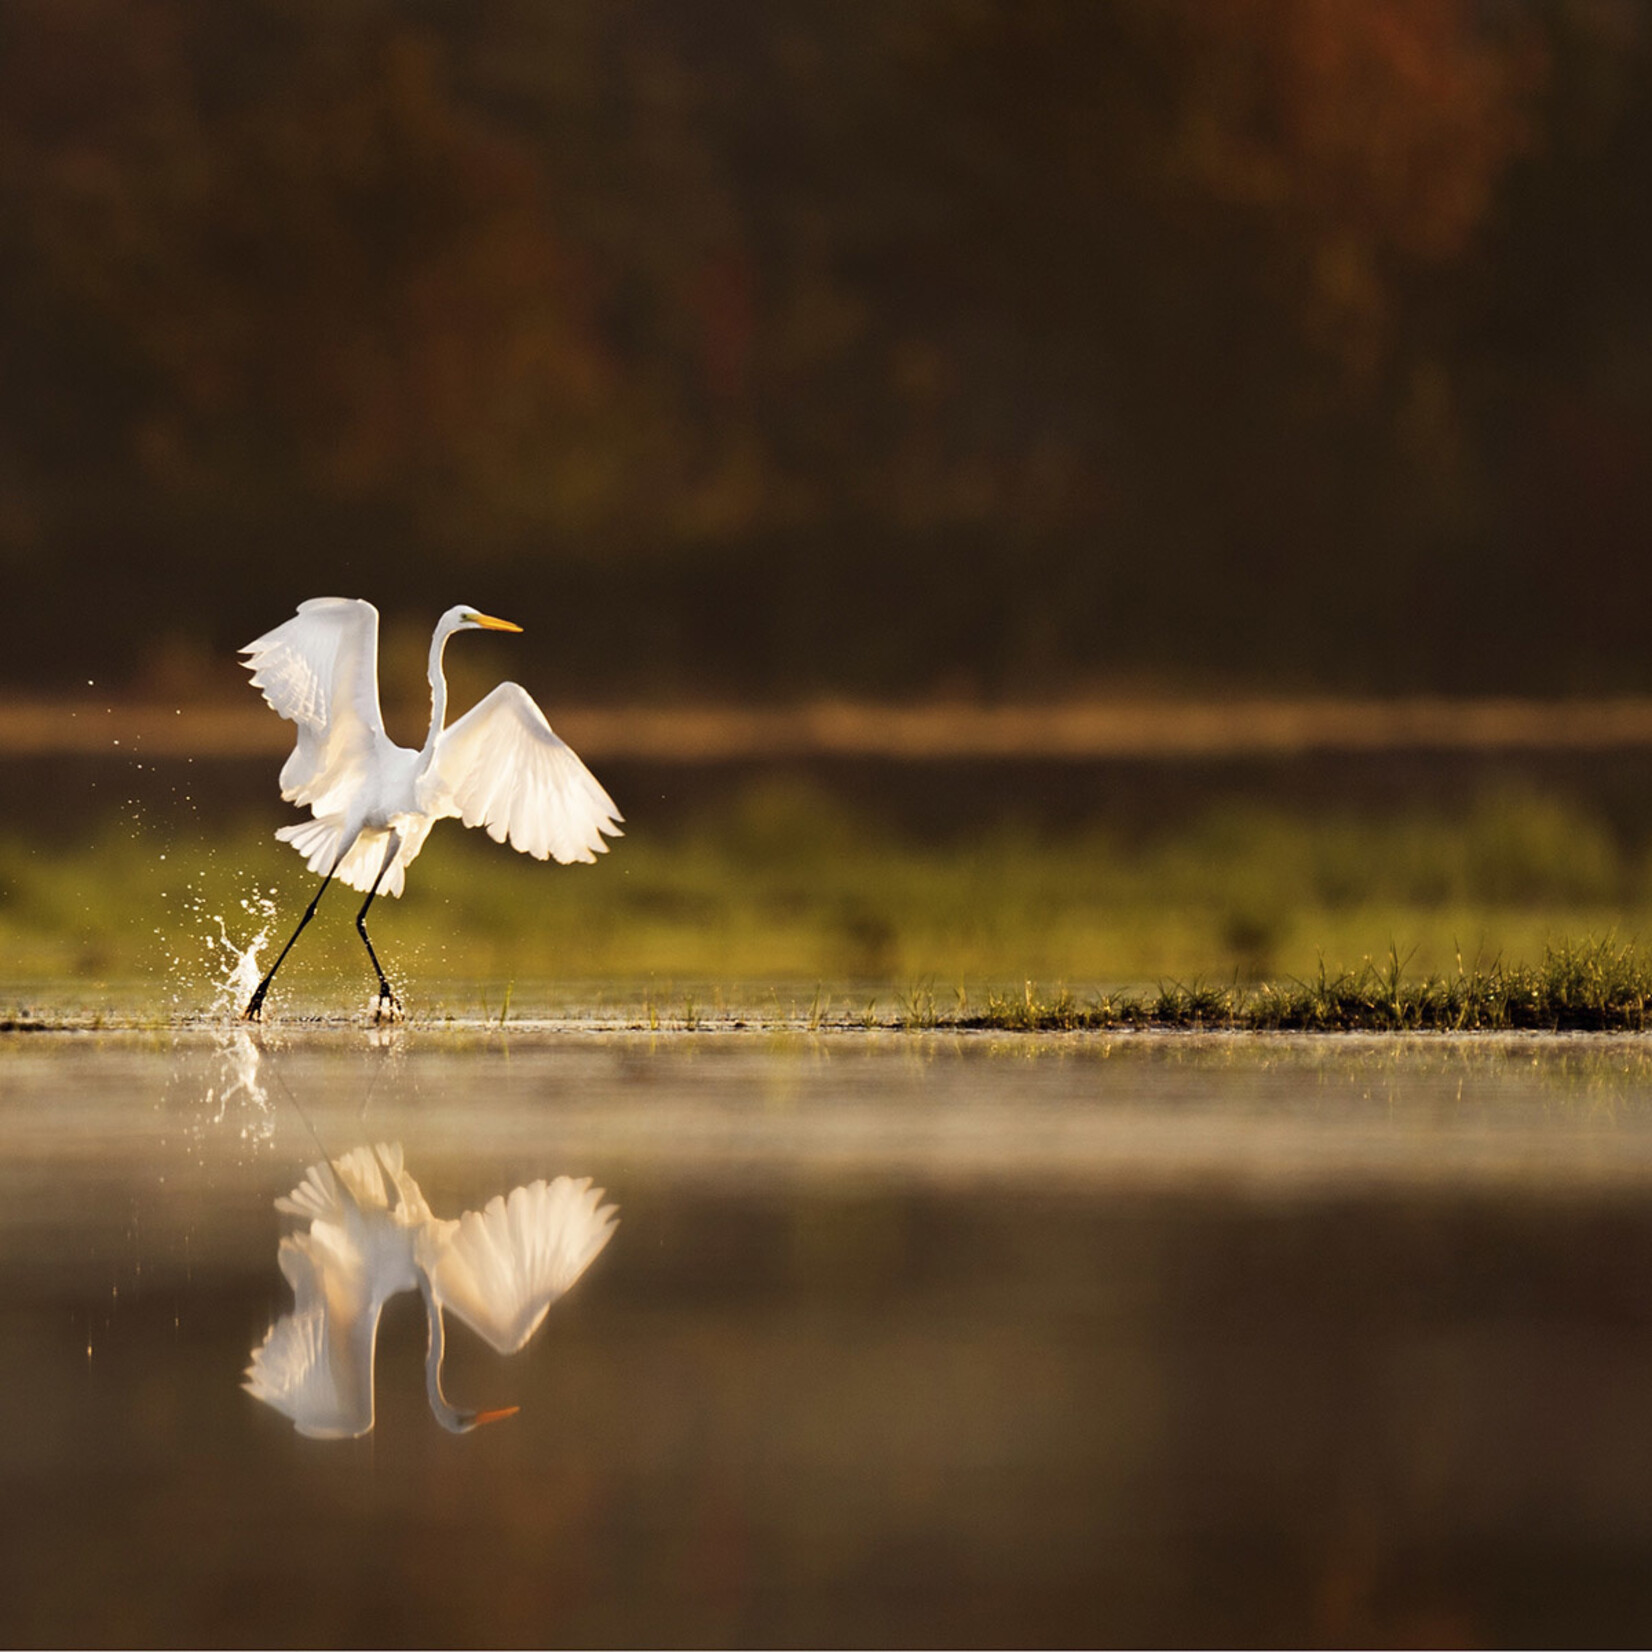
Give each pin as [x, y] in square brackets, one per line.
[317, 1197]
[411, 1208]
[315, 1365]
[321, 1198]
[321, 671]
[502, 767]
[364, 1178]
[500, 1268]
[295, 1371]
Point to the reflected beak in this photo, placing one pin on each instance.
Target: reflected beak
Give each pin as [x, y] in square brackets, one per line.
[489, 623]
[505, 1410]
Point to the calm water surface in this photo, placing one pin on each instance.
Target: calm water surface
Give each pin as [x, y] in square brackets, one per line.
[901, 1339]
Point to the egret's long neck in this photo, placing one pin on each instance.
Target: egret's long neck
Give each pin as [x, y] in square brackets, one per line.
[438, 694]
[456, 1422]
[450, 1417]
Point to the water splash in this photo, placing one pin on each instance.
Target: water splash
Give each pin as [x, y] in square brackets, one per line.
[225, 967]
[239, 971]
[234, 1096]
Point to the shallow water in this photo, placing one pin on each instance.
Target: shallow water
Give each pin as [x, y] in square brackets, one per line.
[901, 1338]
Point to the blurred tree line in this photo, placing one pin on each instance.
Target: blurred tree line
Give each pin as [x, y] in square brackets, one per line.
[770, 346]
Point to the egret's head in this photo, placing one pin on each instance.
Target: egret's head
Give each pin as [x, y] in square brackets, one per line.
[469, 619]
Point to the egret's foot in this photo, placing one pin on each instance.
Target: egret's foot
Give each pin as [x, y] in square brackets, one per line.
[388, 1010]
[255, 1007]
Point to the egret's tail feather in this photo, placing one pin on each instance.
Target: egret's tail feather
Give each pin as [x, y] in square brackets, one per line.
[319, 841]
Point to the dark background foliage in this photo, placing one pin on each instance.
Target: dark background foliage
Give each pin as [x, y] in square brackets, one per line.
[882, 346]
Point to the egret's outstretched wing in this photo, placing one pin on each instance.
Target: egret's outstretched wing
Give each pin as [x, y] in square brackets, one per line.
[501, 766]
[500, 1268]
[321, 670]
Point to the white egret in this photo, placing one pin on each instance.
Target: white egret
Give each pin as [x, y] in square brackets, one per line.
[373, 802]
[499, 1269]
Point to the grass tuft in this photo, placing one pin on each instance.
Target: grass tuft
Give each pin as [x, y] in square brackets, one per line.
[1586, 986]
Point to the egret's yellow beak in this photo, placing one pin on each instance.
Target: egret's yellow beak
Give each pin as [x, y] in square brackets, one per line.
[489, 623]
[504, 1411]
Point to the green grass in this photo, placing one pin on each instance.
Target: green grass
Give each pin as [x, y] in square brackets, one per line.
[1592, 986]
[1295, 913]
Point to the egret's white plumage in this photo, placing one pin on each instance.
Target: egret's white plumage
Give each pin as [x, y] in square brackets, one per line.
[372, 802]
[371, 1235]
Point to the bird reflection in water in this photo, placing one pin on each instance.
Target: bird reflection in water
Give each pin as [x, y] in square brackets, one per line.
[371, 1235]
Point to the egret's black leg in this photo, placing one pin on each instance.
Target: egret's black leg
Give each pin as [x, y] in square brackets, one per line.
[385, 993]
[255, 1005]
